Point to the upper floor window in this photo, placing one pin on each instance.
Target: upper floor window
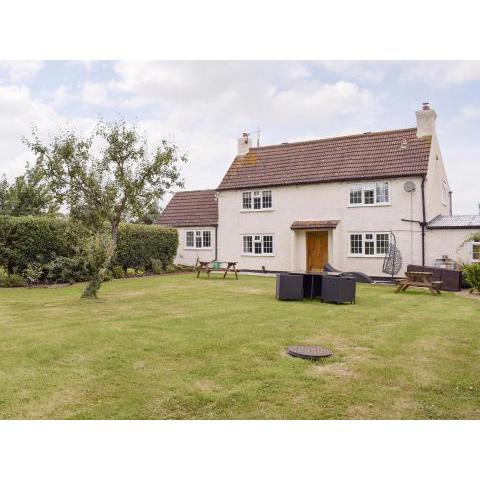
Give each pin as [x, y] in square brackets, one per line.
[476, 251]
[369, 244]
[257, 200]
[258, 244]
[369, 193]
[444, 192]
[197, 239]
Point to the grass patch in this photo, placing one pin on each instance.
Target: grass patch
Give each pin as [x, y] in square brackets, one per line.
[179, 347]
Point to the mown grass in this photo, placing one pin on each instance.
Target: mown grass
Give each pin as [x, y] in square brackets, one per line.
[177, 347]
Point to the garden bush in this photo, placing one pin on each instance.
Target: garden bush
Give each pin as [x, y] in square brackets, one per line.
[170, 268]
[16, 280]
[67, 270]
[27, 240]
[3, 277]
[471, 275]
[34, 273]
[50, 249]
[130, 272]
[139, 244]
[11, 279]
[118, 272]
[157, 267]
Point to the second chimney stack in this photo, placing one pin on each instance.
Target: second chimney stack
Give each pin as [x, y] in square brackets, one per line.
[244, 144]
[426, 118]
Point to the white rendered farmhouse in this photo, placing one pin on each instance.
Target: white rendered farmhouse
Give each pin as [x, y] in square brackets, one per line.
[297, 206]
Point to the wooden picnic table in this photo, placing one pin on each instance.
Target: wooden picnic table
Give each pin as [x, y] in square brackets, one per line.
[419, 279]
[216, 267]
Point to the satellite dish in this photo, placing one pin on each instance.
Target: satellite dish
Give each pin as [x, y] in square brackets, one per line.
[409, 186]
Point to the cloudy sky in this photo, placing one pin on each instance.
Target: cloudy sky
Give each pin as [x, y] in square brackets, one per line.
[204, 106]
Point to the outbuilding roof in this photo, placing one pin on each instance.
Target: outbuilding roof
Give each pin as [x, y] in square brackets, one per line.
[455, 221]
[197, 208]
[394, 153]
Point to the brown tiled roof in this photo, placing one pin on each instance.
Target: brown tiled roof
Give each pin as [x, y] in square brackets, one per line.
[191, 209]
[313, 224]
[394, 153]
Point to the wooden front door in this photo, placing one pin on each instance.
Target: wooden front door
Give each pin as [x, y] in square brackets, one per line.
[317, 251]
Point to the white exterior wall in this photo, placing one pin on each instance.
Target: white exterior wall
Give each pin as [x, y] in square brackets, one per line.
[433, 186]
[447, 242]
[328, 201]
[188, 256]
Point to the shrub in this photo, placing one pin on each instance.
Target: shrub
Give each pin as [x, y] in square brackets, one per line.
[170, 268]
[11, 280]
[16, 280]
[139, 244]
[471, 275]
[57, 245]
[139, 272]
[118, 272]
[3, 276]
[130, 272]
[34, 272]
[27, 240]
[157, 267]
[67, 270]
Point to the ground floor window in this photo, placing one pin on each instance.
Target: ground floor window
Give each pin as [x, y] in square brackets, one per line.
[369, 244]
[197, 239]
[258, 244]
[476, 251]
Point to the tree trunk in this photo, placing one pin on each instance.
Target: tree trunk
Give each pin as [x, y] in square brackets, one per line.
[114, 234]
[98, 276]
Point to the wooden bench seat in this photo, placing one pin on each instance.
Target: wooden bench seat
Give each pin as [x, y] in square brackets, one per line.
[419, 279]
[208, 267]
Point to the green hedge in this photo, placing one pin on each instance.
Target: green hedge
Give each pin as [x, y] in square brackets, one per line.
[139, 244]
[30, 239]
[27, 240]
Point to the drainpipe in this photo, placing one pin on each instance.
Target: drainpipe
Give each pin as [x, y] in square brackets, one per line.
[450, 193]
[216, 242]
[424, 221]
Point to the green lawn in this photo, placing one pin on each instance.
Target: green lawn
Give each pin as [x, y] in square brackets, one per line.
[177, 347]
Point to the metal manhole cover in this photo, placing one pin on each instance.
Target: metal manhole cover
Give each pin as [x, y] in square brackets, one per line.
[309, 352]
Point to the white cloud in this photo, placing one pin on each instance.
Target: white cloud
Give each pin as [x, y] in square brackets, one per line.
[19, 113]
[60, 96]
[94, 94]
[443, 73]
[20, 71]
[365, 71]
[205, 105]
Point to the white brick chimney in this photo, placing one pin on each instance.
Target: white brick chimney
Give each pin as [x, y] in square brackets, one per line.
[426, 118]
[244, 144]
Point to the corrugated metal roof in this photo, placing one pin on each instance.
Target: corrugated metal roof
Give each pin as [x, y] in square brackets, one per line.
[455, 221]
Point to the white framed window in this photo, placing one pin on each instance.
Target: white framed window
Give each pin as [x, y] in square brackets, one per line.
[198, 239]
[444, 192]
[190, 242]
[369, 193]
[247, 200]
[257, 200]
[258, 244]
[476, 252]
[266, 199]
[368, 244]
